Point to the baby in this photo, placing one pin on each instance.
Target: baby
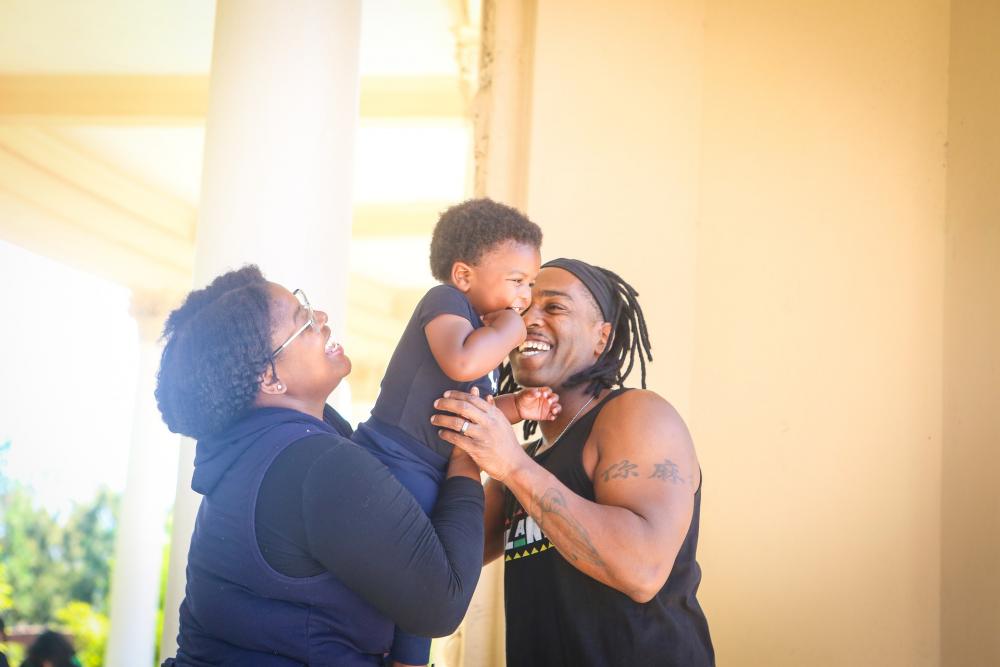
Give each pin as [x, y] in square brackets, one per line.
[486, 256]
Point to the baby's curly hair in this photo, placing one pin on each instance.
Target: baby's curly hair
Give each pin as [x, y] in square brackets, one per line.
[467, 230]
[218, 343]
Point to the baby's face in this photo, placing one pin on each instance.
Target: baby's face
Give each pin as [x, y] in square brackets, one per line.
[503, 277]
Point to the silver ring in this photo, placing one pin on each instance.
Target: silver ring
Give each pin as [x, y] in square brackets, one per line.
[465, 427]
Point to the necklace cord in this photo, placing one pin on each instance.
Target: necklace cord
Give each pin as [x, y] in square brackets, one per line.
[568, 426]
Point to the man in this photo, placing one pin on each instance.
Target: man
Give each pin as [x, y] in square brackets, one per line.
[598, 523]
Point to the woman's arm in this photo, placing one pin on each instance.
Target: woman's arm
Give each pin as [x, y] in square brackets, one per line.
[366, 529]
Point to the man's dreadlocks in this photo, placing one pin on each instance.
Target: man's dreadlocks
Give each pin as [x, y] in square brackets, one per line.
[629, 340]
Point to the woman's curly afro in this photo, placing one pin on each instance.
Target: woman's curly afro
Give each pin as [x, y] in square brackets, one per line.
[218, 343]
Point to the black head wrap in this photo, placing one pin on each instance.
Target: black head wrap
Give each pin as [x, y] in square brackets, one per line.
[594, 279]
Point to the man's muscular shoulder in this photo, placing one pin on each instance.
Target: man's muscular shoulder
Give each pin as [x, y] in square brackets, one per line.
[640, 424]
[636, 407]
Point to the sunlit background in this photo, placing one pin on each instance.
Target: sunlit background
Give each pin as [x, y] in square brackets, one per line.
[89, 185]
[803, 193]
[408, 168]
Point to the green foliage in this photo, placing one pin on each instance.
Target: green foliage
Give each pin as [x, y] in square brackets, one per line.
[88, 547]
[31, 545]
[5, 588]
[15, 653]
[89, 630]
[164, 570]
[56, 571]
[49, 563]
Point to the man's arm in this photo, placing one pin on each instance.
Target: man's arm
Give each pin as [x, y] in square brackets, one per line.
[645, 478]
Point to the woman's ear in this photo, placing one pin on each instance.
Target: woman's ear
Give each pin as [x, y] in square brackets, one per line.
[461, 276]
[603, 339]
[270, 383]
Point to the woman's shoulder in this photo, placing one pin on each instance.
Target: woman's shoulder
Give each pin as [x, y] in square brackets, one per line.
[293, 464]
[331, 452]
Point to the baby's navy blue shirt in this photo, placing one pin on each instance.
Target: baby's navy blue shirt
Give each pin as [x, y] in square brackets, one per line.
[414, 380]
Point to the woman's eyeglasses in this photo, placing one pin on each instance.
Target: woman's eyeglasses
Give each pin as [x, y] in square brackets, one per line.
[310, 322]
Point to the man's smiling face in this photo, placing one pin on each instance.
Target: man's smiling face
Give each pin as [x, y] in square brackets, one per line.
[566, 333]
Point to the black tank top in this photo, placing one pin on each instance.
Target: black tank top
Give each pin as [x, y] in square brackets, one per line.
[557, 615]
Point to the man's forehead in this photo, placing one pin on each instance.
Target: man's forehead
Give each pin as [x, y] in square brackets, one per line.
[553, 281]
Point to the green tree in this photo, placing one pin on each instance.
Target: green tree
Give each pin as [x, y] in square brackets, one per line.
[48, 562]
[5, 589]
[88, 547]
[164, 571]
[89, 629]
[57, 571]
[31, 543]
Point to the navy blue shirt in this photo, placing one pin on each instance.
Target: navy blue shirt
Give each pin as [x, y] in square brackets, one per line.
[414, 380]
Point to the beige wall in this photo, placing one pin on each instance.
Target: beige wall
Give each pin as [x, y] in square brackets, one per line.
[971, 501]
[771, 177]
[818, 366]
[614, 155]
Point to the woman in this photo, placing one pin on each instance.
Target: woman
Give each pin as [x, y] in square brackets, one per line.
[306, 549]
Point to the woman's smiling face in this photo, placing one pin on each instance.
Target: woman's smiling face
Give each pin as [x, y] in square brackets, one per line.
[311, 365]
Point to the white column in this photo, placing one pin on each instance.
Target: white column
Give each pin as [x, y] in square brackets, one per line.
[276, 190]
[141, 533]
[500, 126]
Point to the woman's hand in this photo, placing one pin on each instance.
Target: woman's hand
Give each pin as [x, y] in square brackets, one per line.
[488, 437]
[462, 465]
[537, 404]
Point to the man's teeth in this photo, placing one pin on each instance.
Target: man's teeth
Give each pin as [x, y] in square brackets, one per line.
[532, 347]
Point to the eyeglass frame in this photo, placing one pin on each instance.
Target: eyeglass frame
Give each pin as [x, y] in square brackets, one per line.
[310, 322]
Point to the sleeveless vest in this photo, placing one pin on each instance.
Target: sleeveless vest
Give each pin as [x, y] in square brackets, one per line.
[557, 615]
[237, 610]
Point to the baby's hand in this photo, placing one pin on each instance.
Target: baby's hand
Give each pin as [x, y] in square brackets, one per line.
[537, 404]
[507, 320]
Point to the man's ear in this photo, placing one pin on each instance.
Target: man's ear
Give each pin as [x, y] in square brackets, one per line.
[461, 276]
[603, 339]
[270, 383]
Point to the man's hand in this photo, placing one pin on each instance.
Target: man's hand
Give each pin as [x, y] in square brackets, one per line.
[537, 404]
[480, 429]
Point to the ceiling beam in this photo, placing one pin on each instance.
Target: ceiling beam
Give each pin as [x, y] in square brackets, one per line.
[181, 100]
[63, 240]
[70, 164]
[61, 201]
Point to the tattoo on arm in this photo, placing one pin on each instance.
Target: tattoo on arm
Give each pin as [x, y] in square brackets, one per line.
[552, 507]
[668, 472]
[621, 470]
